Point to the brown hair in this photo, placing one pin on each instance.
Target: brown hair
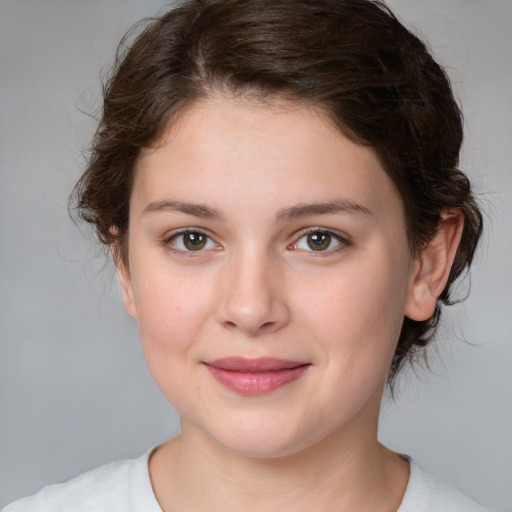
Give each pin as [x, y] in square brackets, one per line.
[375, 80]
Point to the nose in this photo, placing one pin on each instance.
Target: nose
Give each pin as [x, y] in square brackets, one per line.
[253, 299]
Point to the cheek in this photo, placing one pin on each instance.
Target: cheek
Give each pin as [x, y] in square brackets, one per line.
[169, 321]
[358, 313]
[171, 311]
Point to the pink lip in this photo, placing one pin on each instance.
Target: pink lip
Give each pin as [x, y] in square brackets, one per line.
[255, 376]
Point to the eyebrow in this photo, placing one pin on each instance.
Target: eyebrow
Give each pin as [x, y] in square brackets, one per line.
[327, 208]
[291, 213]
[197, 210]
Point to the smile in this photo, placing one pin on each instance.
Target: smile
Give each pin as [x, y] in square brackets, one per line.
[255, 376]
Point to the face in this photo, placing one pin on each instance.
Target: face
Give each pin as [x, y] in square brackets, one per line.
[269, 273]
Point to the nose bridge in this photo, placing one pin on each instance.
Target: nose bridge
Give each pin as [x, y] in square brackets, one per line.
[252, 300]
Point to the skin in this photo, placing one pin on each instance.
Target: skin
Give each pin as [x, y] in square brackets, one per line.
[257, 289]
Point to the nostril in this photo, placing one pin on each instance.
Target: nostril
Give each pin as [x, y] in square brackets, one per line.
[267, 326]
[264, 328]
[229, 325]
[248, 307]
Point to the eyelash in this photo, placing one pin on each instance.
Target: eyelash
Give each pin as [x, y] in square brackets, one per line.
[194, 231]
[342, 242]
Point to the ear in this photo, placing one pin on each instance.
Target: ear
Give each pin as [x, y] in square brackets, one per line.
[125, 280]
[433, 266]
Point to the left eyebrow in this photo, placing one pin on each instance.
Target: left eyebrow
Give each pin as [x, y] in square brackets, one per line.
[327, 208]
[197, 210]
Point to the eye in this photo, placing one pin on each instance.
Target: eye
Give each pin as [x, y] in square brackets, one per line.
[318, 240]
[190, 241]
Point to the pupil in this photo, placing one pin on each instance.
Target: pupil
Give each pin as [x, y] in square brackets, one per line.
[194, 241]
[319, 241]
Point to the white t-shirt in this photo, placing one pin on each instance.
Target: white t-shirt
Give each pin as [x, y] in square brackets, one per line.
[125, 486]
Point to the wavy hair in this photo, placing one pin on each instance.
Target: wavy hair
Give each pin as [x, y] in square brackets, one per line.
[374, 79]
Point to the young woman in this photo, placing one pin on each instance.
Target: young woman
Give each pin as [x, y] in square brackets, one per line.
[277, 182]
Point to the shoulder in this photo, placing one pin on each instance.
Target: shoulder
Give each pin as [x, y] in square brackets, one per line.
[105, 488]
[426, 493]
[110, 488]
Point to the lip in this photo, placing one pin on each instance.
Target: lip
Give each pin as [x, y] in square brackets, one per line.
[255, 376]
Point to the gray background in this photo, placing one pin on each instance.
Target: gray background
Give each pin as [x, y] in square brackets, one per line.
[74, 391]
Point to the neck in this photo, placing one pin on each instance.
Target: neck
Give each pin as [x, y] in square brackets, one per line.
[345, 471]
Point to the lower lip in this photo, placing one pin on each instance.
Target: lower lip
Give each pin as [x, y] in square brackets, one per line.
[257, 383]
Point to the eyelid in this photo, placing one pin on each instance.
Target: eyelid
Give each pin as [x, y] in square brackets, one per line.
[343, 239]
[166, 242]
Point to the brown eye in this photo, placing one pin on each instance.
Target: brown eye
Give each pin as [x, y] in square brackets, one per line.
[194, 241]
[190, 241]
[318, 241]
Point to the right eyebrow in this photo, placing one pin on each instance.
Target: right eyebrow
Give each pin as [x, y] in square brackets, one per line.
[326, 208]
[197, 210]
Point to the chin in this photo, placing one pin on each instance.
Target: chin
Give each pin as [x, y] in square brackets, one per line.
[257, 448]
[263, 439]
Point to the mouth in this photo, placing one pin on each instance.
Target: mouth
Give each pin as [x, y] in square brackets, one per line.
[255, 376]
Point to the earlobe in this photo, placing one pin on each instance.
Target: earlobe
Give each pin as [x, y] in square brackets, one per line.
[433, 266]
[125, 281]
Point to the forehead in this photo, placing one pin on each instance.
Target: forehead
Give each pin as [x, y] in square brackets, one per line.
[263, 154]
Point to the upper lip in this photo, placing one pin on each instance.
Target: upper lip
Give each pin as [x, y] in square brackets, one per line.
[261, 364]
